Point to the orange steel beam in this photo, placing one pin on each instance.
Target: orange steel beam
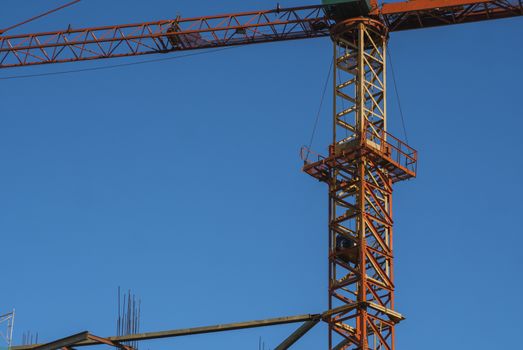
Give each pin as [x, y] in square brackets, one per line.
[429, 13]
[181, 34]
[420, 5]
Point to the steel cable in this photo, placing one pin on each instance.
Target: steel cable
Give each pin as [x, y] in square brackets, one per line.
[397, 95]
[115, 65]
[319, 110]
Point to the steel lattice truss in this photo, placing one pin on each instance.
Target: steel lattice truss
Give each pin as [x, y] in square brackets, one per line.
[360, 193]
[163, 36]
[364, 159]
[355, 49]
[363, 163]
[179, 34]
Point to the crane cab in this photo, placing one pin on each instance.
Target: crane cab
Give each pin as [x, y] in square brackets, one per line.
[343, 9]
[347, 249]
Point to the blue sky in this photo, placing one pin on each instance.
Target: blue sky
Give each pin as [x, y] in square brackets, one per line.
[181, 180]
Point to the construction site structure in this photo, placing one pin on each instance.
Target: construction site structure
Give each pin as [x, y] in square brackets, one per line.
[363, 161]
[7, 322]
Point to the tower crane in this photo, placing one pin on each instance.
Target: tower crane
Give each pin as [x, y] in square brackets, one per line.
[363, 161]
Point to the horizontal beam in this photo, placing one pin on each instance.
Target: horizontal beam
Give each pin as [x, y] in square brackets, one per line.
[86, 339]
[423, 5]
[188, 331]
[418, 14]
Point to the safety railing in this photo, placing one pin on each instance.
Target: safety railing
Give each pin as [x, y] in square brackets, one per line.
[394, 149]
[309, 156]
[398, 157]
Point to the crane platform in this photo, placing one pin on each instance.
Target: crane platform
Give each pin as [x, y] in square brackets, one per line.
[386, 152]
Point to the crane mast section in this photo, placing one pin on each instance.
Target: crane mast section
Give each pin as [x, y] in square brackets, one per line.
[180, 34]
[364, 161]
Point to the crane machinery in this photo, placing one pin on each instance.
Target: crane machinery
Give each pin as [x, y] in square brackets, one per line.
[363, 161]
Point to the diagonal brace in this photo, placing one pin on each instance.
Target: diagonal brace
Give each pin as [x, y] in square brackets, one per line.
[297, 334]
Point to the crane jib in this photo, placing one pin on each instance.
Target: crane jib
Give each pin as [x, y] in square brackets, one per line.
[279, 24]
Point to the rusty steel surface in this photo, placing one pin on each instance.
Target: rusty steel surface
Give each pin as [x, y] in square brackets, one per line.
[180, 34]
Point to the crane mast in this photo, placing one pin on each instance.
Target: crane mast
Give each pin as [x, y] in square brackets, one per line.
[363, 161]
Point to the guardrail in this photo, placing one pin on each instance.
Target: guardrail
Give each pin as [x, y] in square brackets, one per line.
[394, 149]
[305, 152]
[396, 154]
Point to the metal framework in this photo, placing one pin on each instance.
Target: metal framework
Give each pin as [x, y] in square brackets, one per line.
[67, 343]
[180, 34]
[86, 339]
[430, 13]
[9, 321]
[363, 162]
